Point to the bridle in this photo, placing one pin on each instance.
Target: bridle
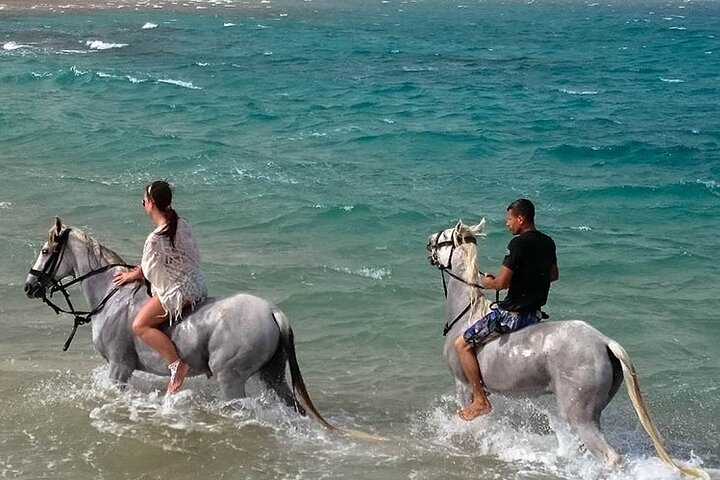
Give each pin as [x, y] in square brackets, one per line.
[435, 245]
[46, 276]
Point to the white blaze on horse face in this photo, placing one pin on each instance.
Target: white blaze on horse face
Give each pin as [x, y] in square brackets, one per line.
[445, 251]
[42, 258]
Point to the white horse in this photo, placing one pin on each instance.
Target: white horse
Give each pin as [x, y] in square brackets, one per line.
[231, 338]
[581, 366]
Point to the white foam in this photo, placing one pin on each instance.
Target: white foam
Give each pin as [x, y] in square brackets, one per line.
[416, 69]
[5, 205]
[376, 273]
[77, 72]
[228, 24]
[179, 83]
[10, 46]
[100, 45]
[135, 80]
[581, 228]
[578, 92]
[149, 25]
[671, 80]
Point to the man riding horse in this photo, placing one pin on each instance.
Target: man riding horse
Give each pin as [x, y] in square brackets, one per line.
[529, 266]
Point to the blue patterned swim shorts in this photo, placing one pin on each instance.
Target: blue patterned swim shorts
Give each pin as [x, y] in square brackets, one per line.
[498, 321]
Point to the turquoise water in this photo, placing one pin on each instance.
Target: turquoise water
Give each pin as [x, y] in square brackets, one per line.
[315, 146]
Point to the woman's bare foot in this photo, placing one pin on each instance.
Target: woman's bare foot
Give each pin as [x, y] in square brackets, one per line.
[478, 408]
[178, 371]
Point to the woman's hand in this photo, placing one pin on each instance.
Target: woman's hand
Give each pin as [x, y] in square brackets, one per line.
[134, 275]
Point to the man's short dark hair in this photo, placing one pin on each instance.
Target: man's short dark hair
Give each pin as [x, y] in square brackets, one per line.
[524, 207]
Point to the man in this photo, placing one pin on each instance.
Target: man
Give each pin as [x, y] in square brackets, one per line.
[530, 264]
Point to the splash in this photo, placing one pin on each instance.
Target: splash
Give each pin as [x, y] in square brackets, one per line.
[143, 411]
[528, 436]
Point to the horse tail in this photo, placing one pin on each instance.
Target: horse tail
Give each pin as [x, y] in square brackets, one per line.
[643, 414]
[298, 383]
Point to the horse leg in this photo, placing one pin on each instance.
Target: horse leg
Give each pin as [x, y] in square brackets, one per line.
[590, 434]
[120, 373]
[272, 375]
[581, 409]
[463, 392]
[232, 384]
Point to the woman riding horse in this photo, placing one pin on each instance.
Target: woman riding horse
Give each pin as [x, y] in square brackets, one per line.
[171, 263]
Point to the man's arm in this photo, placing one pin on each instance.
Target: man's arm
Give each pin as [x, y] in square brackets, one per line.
[500, 282]
[554, 273]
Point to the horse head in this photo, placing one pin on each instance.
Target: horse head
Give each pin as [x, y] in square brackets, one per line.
[53, 262]
[454, 253]
[443, 245]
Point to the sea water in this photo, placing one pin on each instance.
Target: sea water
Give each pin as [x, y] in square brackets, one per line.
[314, 146]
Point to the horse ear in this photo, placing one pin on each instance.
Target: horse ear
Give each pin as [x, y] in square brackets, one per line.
[458, 227]
[58, 225]
[478, 229]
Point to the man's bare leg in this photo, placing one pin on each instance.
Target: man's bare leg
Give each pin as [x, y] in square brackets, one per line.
[480, 404]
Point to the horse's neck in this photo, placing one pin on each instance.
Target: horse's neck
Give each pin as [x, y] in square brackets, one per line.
[458, 299]
[94, 287]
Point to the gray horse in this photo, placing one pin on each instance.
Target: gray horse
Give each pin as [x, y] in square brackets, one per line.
[581, 366]
[231, 338]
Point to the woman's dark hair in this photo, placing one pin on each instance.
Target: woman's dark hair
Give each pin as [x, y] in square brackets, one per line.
[524, 207]
[160, 193]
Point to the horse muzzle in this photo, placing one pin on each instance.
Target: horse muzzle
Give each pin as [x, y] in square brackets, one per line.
[34, 290]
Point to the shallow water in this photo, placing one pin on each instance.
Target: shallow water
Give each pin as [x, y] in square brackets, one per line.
[314, 146]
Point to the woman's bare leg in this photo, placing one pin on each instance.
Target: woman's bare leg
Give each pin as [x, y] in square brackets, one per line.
[146, 326]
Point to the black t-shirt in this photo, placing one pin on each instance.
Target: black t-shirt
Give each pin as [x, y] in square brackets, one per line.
[530, 256]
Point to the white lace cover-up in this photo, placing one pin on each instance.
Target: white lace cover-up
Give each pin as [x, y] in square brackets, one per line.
[174, 273]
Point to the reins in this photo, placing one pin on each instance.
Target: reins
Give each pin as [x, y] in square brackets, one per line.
[46, 275]
[447, 269]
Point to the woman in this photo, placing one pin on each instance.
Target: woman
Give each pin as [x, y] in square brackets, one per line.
[171, 263]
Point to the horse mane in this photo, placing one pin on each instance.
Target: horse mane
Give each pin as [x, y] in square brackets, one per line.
[95, 249]
[472, 274]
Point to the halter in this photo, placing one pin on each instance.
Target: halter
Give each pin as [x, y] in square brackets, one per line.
[434, 260]
[47, 276]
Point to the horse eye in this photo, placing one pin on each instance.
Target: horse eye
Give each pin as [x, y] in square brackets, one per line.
[45, 251]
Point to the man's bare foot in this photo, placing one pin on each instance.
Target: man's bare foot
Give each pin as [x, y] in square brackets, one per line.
[178, 371]
[476, 409]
